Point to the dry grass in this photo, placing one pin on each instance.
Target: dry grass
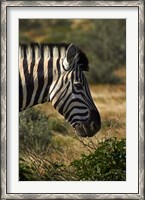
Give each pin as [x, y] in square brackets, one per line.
[111, 102]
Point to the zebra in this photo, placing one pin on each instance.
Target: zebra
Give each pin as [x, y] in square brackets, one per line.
[55, 73]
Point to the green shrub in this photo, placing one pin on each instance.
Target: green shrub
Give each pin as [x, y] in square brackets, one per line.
[106, 163]
[59, 126]
[34, 132]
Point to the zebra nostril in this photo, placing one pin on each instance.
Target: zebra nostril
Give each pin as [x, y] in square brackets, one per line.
[93, 126]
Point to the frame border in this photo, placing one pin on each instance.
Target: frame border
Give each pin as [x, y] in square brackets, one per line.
[3, 75]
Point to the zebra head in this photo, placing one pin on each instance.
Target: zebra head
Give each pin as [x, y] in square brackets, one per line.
[69, 91]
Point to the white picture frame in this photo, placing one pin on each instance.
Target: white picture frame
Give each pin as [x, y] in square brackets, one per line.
[137, 190]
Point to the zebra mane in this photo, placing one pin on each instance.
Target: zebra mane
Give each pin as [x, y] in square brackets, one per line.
[83, 61]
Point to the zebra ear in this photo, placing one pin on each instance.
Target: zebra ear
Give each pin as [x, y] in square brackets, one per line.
[71, 53]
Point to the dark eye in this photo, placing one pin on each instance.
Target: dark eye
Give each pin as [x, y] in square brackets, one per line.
[79, 85]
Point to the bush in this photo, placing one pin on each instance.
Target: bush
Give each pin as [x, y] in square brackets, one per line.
[35, 136]
[34, 132]
[59, 126]
[107, 163]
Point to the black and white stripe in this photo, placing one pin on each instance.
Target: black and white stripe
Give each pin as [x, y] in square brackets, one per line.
[54, 72]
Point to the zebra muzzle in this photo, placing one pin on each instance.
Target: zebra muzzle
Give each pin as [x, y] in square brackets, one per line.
[91, 127]
[85, 130]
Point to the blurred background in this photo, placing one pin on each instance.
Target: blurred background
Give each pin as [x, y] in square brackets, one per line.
[51, 150]
[103, 41]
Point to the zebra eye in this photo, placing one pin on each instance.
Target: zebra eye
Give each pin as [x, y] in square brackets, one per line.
[79, 85]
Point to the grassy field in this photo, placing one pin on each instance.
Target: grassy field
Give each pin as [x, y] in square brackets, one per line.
[64, 146]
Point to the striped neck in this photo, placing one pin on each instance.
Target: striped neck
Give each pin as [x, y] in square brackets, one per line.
[39, 66]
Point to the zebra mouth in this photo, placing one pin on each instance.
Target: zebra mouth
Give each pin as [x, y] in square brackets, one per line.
[85, 130]
[90, 127]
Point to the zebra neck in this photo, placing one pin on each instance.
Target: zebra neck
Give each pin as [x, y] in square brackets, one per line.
[34, 82]
[39, 68]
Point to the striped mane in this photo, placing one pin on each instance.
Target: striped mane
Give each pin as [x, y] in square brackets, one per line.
[83, 61]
